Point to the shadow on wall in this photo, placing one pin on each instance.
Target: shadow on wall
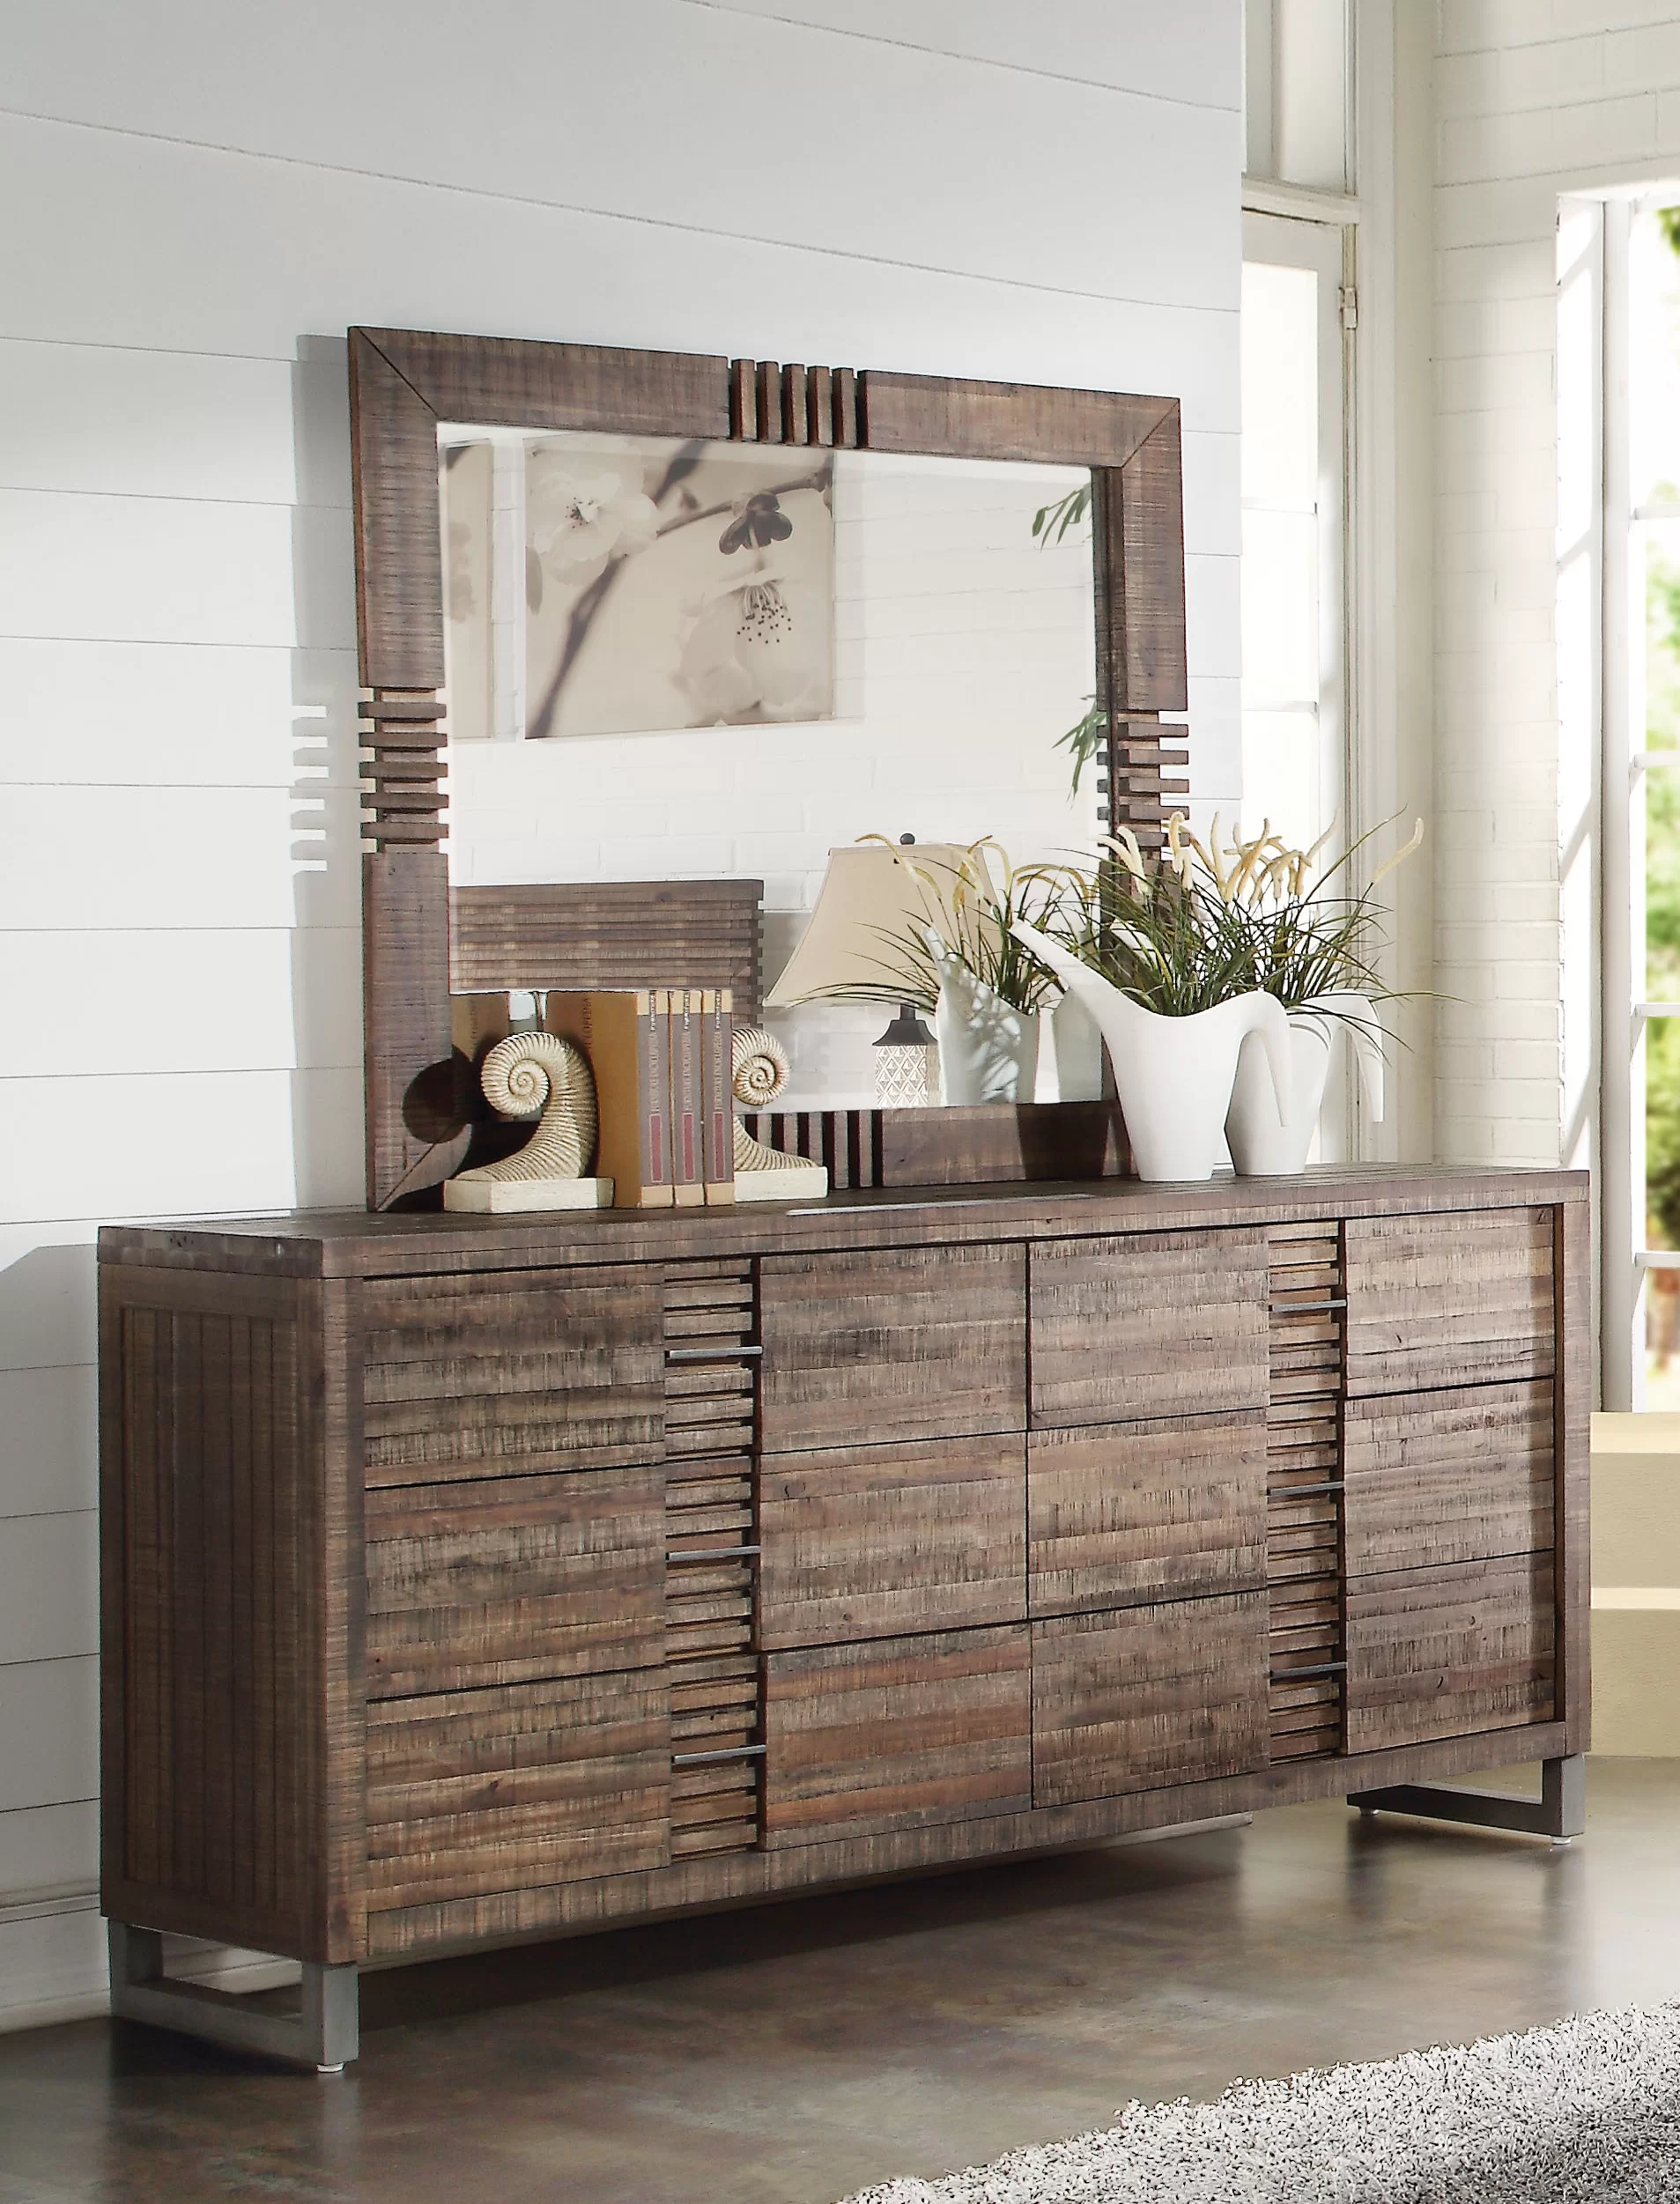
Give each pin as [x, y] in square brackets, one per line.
[326, 848]
[47, 1306]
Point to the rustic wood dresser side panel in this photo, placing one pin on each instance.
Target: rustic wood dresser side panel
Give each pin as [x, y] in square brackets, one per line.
[1137, 1325]
[227, 1622]
[892, 1344]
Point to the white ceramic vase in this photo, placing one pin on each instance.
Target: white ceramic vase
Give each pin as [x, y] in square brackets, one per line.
[1268, 1143]
[1173, 1075]
[987, 1051]
[1075, 1040]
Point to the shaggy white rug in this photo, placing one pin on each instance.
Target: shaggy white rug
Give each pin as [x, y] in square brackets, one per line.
[1582, 2113]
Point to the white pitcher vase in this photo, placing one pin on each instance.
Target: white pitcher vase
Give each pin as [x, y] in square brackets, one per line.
[1173, 1075]
[989, 1050]
[1268, 1143]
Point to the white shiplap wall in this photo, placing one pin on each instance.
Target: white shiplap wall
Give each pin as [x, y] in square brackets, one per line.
[200, 202]
[1533, 98]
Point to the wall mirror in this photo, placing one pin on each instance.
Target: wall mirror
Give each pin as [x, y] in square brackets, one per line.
[668, 628]
[671, 659]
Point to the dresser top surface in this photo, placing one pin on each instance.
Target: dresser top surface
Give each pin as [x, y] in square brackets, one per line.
[352, 1243]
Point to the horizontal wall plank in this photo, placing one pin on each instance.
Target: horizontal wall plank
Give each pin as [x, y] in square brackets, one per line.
[47, 1296]
[49, 1588]
[49, 1713]
[49, 1847]
[48, 1440]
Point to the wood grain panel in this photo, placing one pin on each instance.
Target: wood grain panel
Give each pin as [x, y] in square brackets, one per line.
[416, 1109]
[501, 1579]
[992, 1143]
[1121, 1513]
[1139, 1696]
[1444, 1652]
[869, 1541]
[1148, 1324]
[716, 1737]
[473, 1793]
[896, 1732]
[1005, 420]
[1449, 1476]
[1306, 1490]
[504, 379]
[892, 1344]
[394, 489]
[610, 934]
[215, 1700]
[1464, 1298]
[464, 1376]
[1143, 520]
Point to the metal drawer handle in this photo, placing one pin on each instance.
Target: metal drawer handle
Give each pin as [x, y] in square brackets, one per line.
[1306, 1308]
[711, 1354]
[1305, 1675]
[714, 1553]
[729, 1752]
[1301, 1491]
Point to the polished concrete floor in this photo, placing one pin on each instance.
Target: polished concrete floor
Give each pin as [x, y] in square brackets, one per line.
[793, 2053]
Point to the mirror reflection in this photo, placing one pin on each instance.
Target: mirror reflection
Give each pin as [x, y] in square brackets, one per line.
[686, 660]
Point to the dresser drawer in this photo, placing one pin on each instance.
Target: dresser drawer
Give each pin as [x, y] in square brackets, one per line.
[1462, 1476]
[1123, 1513]
[1445, 1653]
[869, 1541]
[896, 1732]
[496, 1372]
[510, 1578]
[1464, 1297]
[1148, 1324]
[892, 1344]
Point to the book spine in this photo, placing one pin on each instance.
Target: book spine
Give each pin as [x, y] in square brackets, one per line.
[653, 1098]
[717, 1097]
[687, 1185]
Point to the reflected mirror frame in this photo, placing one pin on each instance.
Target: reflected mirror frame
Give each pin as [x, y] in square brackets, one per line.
[402, 382]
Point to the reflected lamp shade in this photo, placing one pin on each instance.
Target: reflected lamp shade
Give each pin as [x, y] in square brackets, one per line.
[870, 903]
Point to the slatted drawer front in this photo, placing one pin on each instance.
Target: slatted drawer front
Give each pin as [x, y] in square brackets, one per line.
[1141, 1697]
[1122, 1513]
[496, 1373]
[1467, 1297]
[896, 1733]
[1148, 1324]
[872, 1541]
[510, 1578]
[892, 1344]
[1449, 1476]
[475, 1792]
[1447, 1651]
[712, 1351]
[1304, 1491]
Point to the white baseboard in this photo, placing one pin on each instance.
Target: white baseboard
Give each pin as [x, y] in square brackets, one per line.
[53, 1961]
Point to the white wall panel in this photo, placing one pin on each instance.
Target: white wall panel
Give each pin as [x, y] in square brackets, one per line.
[185, 1143]
[50, 1847]
[1185, 53]
[859, 146]
[47, 1296]
[154, 715]
[161, 424]
[87, 1004]
[48, 1732]
[49, 1588]
[48, 1444]
[165, 245]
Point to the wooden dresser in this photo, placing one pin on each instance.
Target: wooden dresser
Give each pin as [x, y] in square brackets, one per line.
[467, 1580]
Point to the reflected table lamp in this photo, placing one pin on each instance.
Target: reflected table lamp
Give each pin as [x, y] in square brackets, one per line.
[869, 908]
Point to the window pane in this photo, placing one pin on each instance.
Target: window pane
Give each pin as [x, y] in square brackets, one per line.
[1280, 611]
[1281, 775]
[1279, 385]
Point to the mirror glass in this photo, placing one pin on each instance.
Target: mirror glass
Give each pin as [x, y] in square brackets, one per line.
[679, 659]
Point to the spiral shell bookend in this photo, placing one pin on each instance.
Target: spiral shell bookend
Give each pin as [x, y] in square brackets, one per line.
[524, 1075]
[761, 1173]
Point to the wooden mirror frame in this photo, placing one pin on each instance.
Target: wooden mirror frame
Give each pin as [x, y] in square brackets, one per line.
[402, 382]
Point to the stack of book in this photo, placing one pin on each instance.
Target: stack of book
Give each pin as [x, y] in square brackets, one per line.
[664, 1065]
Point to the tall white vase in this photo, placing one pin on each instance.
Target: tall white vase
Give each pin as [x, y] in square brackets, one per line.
[1174, 1075]
[987, 1051]
[1266, 1143]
